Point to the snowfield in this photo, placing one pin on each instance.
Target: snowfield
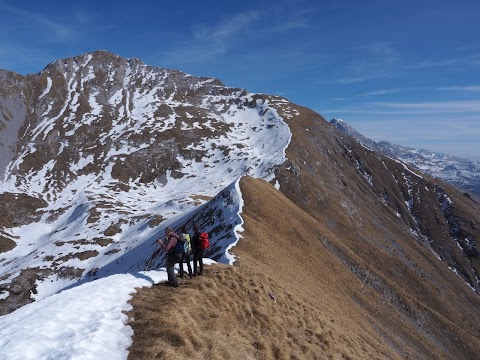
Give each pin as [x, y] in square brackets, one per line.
[84, 322]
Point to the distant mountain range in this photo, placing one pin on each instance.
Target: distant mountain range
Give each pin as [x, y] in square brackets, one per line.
[463, 173]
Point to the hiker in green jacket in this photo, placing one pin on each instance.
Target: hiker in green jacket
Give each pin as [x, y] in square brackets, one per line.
[186, 255]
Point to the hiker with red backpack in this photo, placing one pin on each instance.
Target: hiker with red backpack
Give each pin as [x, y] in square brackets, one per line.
[199, 244]
[170, 244]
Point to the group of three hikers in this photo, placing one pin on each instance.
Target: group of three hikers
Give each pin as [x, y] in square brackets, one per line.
[178, 249]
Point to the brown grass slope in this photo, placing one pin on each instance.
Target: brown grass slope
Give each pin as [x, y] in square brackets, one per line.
[286, 299]
[415, 320]
[291, 297]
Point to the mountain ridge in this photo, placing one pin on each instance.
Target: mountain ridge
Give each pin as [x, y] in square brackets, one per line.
[110, 151]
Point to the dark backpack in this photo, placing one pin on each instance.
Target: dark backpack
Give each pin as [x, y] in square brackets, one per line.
[179, 248]
[204, 243]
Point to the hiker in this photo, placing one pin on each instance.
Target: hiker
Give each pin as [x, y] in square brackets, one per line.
[186, 255]
[199, 245]
[172, 256]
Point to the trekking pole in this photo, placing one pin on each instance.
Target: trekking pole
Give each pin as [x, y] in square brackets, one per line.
[151, 259]
[149, 263]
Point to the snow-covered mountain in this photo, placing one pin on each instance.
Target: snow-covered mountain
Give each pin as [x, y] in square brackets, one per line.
[110, 148]
[101, 153]
[460, 172]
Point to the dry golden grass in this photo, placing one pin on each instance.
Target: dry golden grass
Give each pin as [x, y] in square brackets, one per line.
[374, 298]
[230, 313]
[293, 295]
[282, 301]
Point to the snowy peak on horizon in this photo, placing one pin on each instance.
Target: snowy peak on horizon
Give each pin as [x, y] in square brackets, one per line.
[385, 146]
[460, 172]
[350, 131]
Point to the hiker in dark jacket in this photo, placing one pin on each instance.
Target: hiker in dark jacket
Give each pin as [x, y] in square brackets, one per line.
[197, 251]
[186, 255]
[172, 257]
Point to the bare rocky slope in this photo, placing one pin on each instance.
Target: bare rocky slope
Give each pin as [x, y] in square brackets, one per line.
[370, 256]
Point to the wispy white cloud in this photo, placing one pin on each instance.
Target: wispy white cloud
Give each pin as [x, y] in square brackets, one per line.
[461, 109]
[210, 41]
[223, 33]
[432, 64]
[240, 30]
[33, 38]
[299, 19]
[353, 79]
[371, 61]
[382, 50]
[379, 92]
[53, 29]
[473, 88]
[338, 99]
[432, 107]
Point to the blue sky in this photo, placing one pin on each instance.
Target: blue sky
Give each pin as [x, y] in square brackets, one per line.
[403, 71]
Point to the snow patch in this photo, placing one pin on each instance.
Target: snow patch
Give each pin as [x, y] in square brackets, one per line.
[239, 226]
[47, 88]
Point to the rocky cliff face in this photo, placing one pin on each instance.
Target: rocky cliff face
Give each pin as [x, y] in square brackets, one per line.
[101, 153]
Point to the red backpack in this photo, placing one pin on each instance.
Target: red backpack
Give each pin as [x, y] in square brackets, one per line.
[204, 243]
